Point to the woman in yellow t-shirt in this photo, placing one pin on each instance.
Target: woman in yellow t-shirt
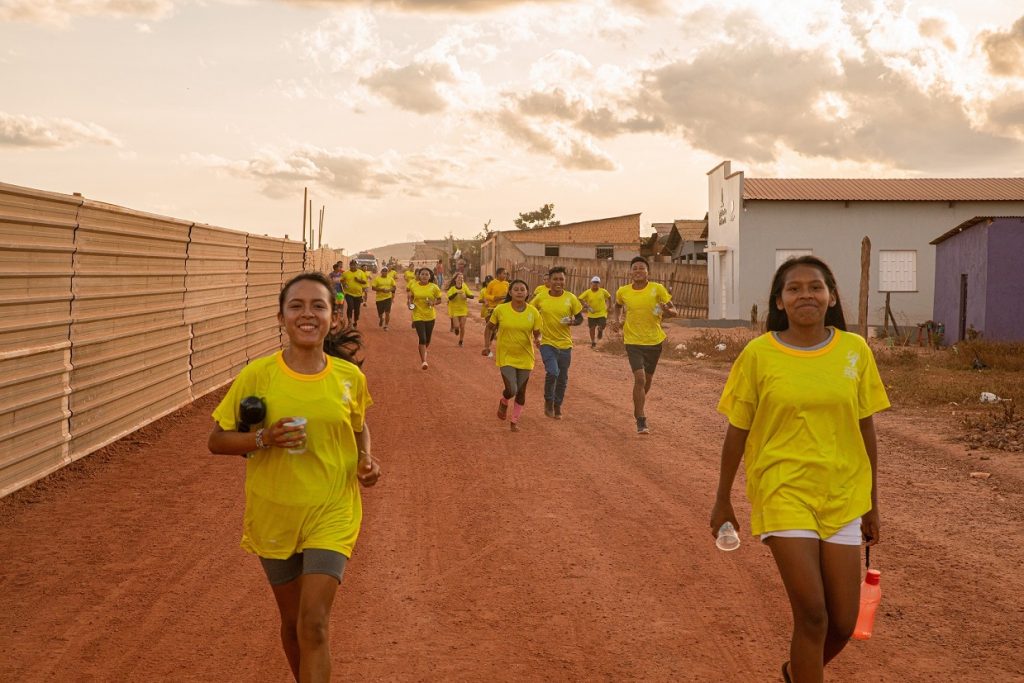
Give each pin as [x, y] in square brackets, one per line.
[515, 322]
[305, 460]
[384, 287]
[424, 296]
[493, 294]
[800, 401]
[459, 295]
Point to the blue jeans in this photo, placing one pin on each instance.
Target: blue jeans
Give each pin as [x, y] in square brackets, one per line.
[556, 369]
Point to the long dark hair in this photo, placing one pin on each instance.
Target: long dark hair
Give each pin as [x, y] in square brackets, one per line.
[777, 318]
[347, 342]
[508, 295]
[418, 270]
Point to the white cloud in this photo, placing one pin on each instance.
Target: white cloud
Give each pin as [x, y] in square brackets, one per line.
[60, 13]
[18, 130]
[344, 172]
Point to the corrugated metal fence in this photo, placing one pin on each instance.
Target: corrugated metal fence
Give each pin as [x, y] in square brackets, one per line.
[112, 318]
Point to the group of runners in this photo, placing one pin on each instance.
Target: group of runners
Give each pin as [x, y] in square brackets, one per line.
[799, 402]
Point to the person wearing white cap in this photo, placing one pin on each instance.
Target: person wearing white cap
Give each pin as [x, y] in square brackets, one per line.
[595, 303]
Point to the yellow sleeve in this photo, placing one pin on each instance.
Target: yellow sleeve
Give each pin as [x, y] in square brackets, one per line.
[361, 401]
[576, 306]
[739, 397]
[536, 320]
[226, 412]
[663, 295]
[618, 296]
[871, 396]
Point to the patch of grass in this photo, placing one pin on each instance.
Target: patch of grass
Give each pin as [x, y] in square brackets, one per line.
[712, 345]
[955, 375]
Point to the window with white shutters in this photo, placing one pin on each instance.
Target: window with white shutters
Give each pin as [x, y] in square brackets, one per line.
[781, 255]
[897, 270]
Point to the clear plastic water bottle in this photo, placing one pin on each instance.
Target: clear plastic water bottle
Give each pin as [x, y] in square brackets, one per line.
[870, 597]
[727, 538]
[566, 320]
[657, 309]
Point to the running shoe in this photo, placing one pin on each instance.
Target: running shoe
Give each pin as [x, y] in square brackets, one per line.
[558, 411]
[641, 426]
[593, 345]
[502, 410]
[424, 366]
[549, 408]
[385, 327]
[490, 354]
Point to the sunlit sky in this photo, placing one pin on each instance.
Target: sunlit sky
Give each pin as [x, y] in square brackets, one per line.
[411, 119]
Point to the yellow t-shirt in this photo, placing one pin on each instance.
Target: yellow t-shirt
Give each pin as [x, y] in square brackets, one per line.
[353, 282]
[423, 297]
[553, 309]
[539, 291]
[806, 464]
[383, 286]
[495, 292]
[598, 302]
[410, 277]
[643, 326]
[515, 335]
[459, 306]
[307, 500]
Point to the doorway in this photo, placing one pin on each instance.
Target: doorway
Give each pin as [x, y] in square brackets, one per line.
[963, 306]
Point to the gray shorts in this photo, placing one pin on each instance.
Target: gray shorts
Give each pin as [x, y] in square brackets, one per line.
[309, 561]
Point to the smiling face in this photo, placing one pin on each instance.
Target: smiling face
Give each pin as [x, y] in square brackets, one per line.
[519, 292]
[306, 315]
[556, 283]
[459, 279]
[423, 276]
[805, 297]
[638, 271]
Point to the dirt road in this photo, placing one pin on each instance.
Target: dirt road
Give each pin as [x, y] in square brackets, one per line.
[574, 550]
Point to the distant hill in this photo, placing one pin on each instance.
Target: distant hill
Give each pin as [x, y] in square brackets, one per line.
[401, 251]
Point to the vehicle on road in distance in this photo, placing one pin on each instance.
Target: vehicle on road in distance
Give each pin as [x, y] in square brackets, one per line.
[366, 258]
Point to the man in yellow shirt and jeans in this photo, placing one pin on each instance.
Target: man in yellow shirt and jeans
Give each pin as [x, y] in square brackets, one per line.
[646, 303]
[559, 310]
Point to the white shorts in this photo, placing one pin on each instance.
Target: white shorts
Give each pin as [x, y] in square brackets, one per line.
[848, 535]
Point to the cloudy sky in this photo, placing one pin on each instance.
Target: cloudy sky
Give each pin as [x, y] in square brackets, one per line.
[411, 119]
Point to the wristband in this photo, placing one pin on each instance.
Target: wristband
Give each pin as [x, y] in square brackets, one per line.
[260, 444]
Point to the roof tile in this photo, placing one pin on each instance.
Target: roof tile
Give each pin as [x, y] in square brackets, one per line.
[885, 189]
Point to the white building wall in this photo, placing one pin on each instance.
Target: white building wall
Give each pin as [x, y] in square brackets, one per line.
[833, 232]
[724, 218]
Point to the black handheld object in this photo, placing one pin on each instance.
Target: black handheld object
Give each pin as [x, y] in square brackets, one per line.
[251, 411]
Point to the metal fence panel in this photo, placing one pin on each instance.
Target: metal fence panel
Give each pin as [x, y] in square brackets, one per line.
[36, 249]
[262, 289]
[130, 344]
[215, 284]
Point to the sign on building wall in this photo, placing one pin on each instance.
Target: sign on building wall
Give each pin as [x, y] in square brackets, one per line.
[897, 270]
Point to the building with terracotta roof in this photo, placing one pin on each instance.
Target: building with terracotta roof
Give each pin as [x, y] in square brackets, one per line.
[616, 238]
[754, 224]
[682, 241]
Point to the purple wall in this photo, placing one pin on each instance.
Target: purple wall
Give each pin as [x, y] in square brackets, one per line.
[966, 252]
[1004, 315]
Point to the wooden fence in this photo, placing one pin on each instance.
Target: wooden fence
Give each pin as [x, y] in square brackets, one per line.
[112, 318]
[688, 284]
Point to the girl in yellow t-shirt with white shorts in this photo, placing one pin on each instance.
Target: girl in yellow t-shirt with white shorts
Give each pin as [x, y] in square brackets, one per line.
[800, 401]
[304, 463]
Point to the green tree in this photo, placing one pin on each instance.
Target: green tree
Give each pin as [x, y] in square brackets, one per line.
[544, 217]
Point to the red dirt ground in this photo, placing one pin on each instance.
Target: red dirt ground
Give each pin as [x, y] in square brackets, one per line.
[571, 551]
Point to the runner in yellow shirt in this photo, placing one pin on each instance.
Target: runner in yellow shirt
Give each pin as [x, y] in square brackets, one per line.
[646, 303]
[517, 325]
[559, 310]
[542, 288]
[425, 295]
[459, 295]
[353, 282]
[384, 287]
[800, 401]
[410, 278]
[302, 504]
[595, 303]
[494, 294]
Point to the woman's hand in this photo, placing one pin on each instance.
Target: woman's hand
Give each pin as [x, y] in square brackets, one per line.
[367, 471]
[721, 513]
[871, 526]
[281, 434]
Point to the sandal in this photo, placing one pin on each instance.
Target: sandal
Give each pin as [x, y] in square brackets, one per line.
[785, 672]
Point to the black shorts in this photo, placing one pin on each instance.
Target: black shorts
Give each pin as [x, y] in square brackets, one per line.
[384, 306]
[642, 357]
[310, 561]
[597, 322]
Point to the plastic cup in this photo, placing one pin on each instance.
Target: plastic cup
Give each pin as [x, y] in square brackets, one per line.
[727, 539]
[298, 422]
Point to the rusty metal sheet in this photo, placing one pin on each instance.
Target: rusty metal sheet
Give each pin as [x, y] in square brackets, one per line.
[129, 289]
